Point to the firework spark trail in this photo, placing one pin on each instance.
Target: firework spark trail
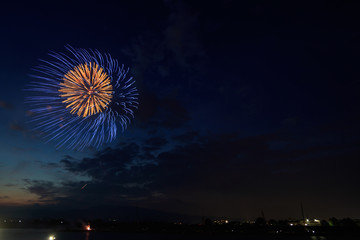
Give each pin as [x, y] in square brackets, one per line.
[79, 99]
[87, 89]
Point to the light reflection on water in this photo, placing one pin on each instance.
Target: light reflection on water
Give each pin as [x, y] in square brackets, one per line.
[318, 238]
[41, 234]
[44, 234]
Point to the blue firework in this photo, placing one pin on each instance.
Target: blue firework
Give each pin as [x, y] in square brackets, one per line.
[81, 98]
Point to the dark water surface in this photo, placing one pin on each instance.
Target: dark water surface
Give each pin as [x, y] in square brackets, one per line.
[44, 234]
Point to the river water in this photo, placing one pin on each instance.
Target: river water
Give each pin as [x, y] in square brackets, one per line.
[46, 234]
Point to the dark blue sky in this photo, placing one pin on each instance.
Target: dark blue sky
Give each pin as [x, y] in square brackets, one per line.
[243, 106]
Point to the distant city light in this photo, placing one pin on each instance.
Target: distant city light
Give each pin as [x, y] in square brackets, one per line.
[88, 228]
[221, 221]
[52, 237]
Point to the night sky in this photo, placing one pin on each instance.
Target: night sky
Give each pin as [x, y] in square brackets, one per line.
[244, 106]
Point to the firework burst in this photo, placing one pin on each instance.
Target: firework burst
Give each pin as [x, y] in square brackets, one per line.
[79, 99]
